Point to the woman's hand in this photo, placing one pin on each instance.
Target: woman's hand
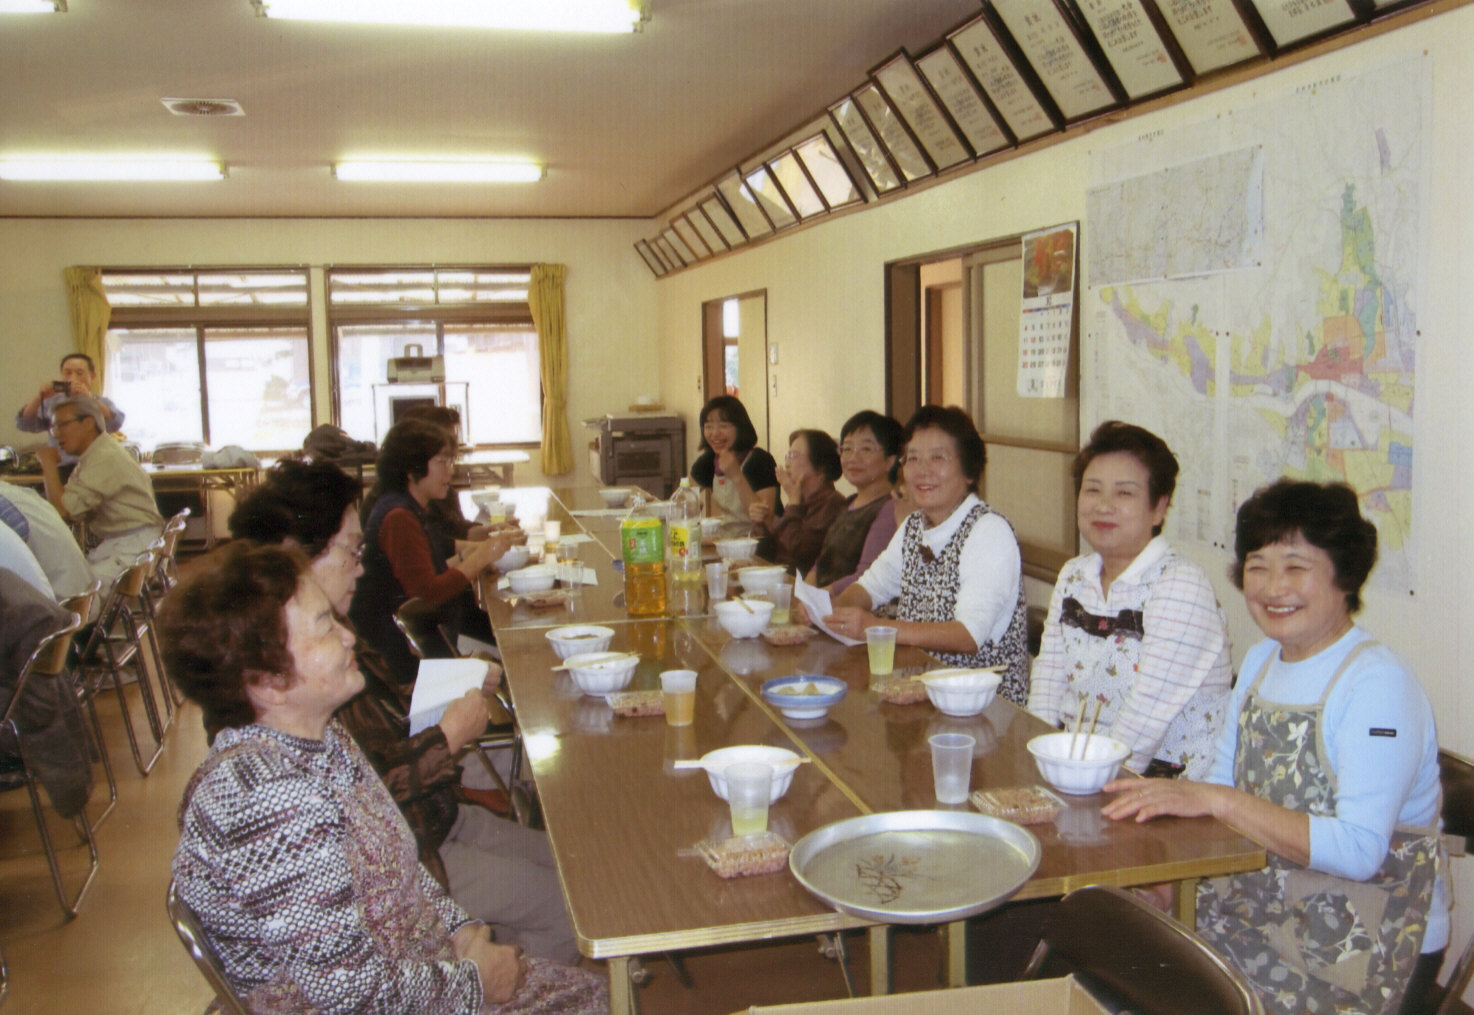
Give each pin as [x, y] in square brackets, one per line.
[486, 553]
[851, 621]
[1144, 799]
[500, 966]
[792, 485]
[761, 513]
[464, 719]
[493, 677]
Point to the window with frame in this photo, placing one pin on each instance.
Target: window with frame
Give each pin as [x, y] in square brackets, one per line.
[220, 356]
[477, 318]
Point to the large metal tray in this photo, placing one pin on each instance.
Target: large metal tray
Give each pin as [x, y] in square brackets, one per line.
[915, 866]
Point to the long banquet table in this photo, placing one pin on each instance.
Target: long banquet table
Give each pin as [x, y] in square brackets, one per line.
[622, 820]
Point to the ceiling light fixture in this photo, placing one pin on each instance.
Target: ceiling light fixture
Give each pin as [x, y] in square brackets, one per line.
[358, 170]
[610, 16]
[64, 170]
[33, 6]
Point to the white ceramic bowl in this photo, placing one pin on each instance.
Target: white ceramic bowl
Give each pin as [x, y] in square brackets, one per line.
[760, 579]
[962, 692]
[537, 578]
[784, 694]
[615, 496]
[601, 672]
[513, 559]
[783, 761]
[579, 639]
[736, 548]
[1095, 762]
[744, 621]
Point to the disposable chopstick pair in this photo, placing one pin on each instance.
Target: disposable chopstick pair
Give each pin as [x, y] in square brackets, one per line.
[1080, 722]
[607, 657]
[698, 763]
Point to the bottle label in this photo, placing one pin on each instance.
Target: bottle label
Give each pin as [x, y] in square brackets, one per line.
[683, 539]
[643, 542]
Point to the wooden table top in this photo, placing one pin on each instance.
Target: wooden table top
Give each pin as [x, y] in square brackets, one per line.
[620, 817]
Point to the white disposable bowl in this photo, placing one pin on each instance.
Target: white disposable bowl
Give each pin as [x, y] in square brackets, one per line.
[537, 578]
[783, 761]
[1096, 759]
[513, 559]
[760, 579]
[486, 498]
[744, 621]
[710, 527]
[615, 496]
[737, 548]
[579, 639]
[601, 672]
[962, 692]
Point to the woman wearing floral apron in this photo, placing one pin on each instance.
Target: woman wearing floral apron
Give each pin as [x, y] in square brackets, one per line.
[954, 563]
[1331, 764]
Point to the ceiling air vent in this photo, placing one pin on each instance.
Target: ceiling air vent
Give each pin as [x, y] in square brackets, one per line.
[203, 107]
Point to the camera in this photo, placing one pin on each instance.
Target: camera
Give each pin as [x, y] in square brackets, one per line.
[61, 387]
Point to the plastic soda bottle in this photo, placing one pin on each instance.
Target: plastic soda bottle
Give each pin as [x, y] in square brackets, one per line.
[684, 514]
[642, 545]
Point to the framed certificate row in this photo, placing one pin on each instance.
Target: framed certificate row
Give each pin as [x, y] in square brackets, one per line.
[1016, 71]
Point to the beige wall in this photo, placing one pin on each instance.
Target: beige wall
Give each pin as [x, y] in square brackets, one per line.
[610, 293]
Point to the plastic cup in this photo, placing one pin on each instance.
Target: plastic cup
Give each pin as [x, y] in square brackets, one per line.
[951, 766]
[881, 644]
[748, 789]
[782, 599]
[570, 567]
[716, 581]
[678, 688]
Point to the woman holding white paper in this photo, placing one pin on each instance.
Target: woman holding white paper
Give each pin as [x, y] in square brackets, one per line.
[500, 871]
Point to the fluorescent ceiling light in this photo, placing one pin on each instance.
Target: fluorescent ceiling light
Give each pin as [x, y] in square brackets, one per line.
[530, 15]
[144, 170]
[438, 172]
[33, 6]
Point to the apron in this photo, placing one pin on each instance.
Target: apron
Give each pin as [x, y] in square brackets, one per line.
[929, 585]
[1310, 941]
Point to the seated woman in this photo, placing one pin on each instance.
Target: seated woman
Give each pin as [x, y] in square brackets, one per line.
[868, 445]
[1329, 760]
[1134, 629]
[730, 467]
[807, 478]
[500, 871]
[291, 853]
[404, 557]
[954, 565]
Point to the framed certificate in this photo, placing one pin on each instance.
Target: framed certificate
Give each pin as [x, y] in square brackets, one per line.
[1049, 40]
[710, 235]
[987, 57]
[910, 97]
[656, 266]
[893, 133]
[688, 234]
[866, 146]
[717, 214]
[790, 175]
[828, 171]
[1135, 44]
[1294, 21]
[770, 198]
[744, 207]
[960, 94]
[1212, 34]
[672, 239]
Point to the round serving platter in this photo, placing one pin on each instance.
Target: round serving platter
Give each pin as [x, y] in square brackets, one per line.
[916, 866]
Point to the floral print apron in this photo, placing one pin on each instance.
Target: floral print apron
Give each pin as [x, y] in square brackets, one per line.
[929, 585]
[1310, 941]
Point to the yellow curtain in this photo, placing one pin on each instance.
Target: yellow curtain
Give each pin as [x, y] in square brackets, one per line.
[87, 301]
[545, 300]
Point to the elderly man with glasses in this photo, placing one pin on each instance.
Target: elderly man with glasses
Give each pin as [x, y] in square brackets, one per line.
[78, 375]
[108, 489]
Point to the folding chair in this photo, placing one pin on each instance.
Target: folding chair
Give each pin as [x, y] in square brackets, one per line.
[193, 936]
[81, 604]
[1133, 956]
[1456, 774]
[420, 624]
[48, 661]
[114, 647]
[166, 571]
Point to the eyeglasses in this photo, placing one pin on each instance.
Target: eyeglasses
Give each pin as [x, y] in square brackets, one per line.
[57, 424]
[795, 456]
[447, 460]
[354, 553]
[935, 460]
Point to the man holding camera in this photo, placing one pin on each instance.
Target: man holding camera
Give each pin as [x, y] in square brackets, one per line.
[78, 374]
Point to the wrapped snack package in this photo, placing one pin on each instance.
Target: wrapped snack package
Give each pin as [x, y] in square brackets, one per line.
[1023, 805]
[788, 634]
[899, 690]
[636, 703]
[740, 857]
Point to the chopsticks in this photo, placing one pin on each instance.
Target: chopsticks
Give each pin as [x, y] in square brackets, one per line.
[698, 763]
[1080, 721]
[606, 657]
[929, 674]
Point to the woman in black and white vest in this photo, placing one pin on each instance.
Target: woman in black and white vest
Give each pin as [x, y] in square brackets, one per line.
[954, 564]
